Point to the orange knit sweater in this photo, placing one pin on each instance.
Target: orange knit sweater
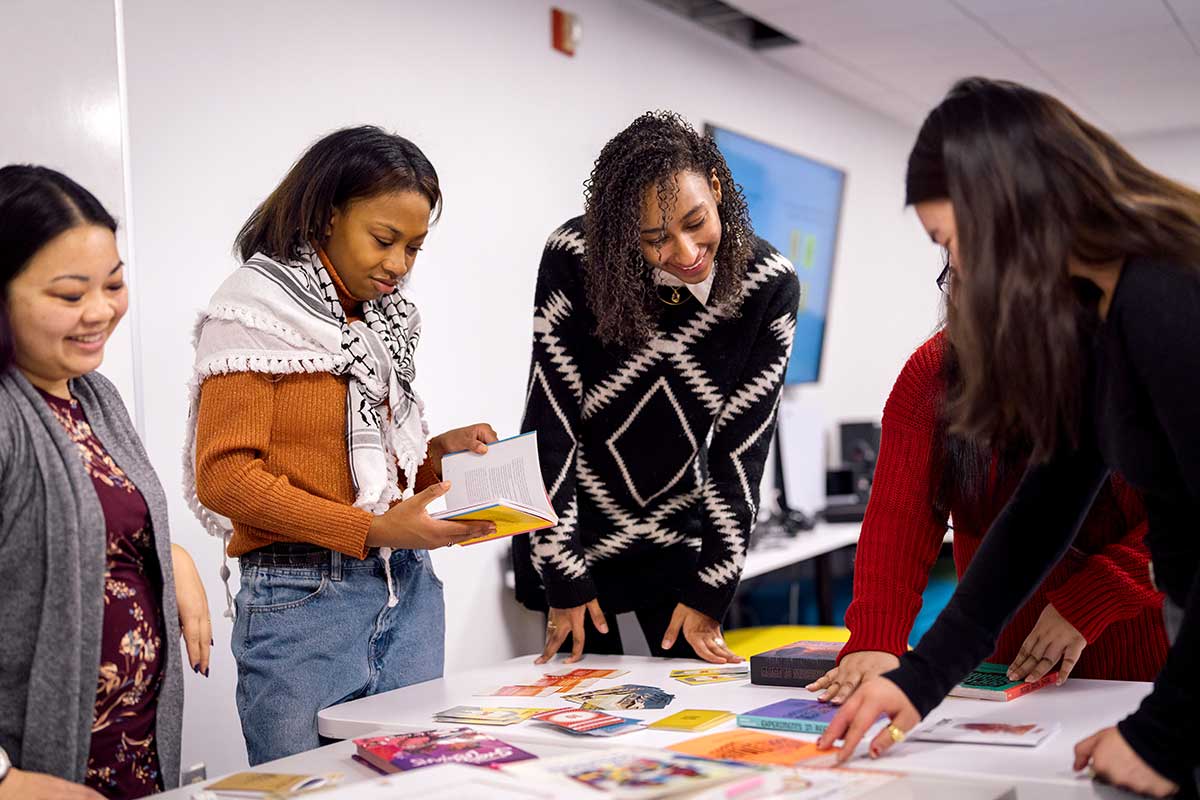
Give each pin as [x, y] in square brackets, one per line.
[271, 455]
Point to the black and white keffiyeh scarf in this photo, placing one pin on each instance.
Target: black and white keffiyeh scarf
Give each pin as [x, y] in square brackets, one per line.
[285, 318]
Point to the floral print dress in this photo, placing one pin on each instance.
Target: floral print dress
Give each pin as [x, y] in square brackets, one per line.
[123, 759]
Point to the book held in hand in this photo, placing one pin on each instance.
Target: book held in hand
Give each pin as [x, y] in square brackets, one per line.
[404, 751]
[797, 664]
[504, 486]
[990, 682]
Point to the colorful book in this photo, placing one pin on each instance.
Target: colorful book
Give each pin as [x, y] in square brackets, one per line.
[752, 747]
[406, 751]
[990, 682]
[692, 719]
[642, 774]
[797, 664]
[503, 486]
[484, 715]
[797, 716]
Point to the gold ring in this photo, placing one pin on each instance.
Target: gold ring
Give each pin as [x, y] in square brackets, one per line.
[896, 734]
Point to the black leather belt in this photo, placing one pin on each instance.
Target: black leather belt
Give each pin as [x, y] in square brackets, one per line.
[288, 554]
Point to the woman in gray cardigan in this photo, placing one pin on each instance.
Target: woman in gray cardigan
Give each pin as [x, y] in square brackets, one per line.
[91, 693]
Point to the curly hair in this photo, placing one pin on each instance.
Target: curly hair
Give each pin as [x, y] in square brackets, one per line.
[619, 282]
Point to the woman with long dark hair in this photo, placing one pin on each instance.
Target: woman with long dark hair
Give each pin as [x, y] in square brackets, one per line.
[1076, 322]
[95, 595]
[309, 452]
[1096, 615]
[662, 330]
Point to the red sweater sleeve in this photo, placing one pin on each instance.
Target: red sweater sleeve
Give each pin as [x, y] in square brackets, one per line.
[1114, 583]
[901, 533]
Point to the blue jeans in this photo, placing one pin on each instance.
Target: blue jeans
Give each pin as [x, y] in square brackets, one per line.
[314, 631]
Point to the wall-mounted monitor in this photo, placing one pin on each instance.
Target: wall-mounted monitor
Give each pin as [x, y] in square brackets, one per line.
[795, 203]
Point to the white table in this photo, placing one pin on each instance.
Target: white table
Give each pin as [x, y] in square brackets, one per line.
[336, 758]
[778, 553]
[1045, 771]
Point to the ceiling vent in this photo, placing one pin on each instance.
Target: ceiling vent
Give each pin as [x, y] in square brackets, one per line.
[725, 20]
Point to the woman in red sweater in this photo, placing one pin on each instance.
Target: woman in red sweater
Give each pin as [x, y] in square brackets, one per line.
[1097, 612]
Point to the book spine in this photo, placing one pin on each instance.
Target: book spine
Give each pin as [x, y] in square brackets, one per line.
[784, 671]
[1025, 688]
[775, 724]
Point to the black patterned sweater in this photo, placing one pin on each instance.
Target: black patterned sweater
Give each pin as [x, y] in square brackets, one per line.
[652, 456]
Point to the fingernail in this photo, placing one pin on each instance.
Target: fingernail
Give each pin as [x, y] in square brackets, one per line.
[603, 629]
[196, 668]
[666, 645]
[211, 643]
[206, 673]
[874, 753]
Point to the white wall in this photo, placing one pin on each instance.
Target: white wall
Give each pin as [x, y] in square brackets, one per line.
[1175, 154]
[58, 82]
[223, 96]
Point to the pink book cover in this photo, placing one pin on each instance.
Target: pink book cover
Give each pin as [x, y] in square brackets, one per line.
[407, 751]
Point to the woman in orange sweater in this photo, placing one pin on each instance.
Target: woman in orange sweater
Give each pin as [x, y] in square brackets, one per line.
[309, 440]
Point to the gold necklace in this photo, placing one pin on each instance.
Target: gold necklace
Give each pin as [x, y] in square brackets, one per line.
[677, 298]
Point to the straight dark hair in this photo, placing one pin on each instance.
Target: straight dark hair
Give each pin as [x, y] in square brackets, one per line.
[1031, 184]
[347, 165]
[36, 205]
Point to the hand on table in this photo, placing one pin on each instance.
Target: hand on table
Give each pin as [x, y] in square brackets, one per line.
[195, 623]
[841, 681]
[564, 622]
[22, 785]
[474, 438]
[877, 696]
[1113, 761]
[702, 632]
[1052, 639]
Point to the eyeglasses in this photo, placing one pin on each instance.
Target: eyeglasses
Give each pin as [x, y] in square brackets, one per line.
[946, 275]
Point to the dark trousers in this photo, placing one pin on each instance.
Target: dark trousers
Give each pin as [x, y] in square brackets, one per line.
[653, 619]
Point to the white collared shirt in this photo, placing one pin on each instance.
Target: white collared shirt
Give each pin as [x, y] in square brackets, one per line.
[700, 290]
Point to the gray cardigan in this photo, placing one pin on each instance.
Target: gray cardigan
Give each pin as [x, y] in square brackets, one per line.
[52, 562]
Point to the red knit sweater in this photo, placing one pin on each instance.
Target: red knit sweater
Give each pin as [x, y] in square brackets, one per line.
[1102, 586]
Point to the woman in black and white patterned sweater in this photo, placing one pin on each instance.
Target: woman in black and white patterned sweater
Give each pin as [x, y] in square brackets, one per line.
[662, 330]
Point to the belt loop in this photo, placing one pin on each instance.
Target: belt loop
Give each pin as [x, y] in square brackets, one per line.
[335, 565]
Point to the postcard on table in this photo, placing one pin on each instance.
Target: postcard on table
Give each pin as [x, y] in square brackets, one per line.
[983, 731]
[503, 486]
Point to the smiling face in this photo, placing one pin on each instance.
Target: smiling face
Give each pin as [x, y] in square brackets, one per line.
[685, 244]
[373, 242]
[64, 305]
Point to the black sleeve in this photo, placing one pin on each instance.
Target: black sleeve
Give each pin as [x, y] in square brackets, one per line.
[552, 404]
[738, 451]
[1022, 546]
[1163, 346]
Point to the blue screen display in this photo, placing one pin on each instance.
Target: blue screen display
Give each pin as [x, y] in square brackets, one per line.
[795, 204]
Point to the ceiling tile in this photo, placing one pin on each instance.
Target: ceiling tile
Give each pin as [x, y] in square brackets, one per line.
[823, 21]
[813, 63]
[1048, 22]
[1151, 107]
[1136, 55]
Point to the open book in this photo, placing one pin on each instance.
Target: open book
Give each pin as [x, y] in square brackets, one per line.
[503, 485]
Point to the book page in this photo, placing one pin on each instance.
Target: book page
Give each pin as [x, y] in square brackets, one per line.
[510, 470]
